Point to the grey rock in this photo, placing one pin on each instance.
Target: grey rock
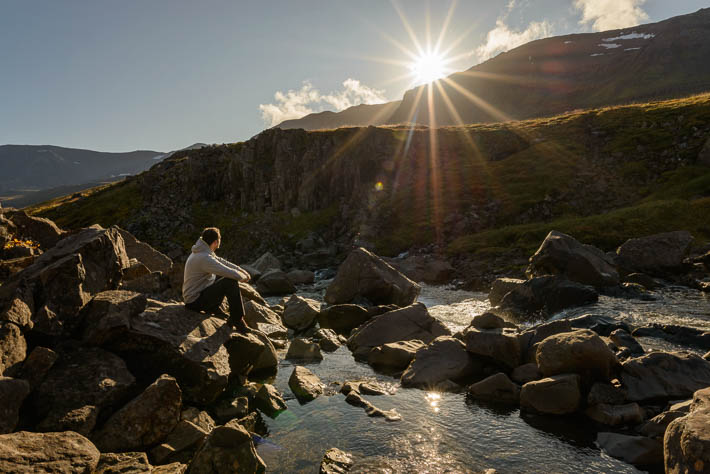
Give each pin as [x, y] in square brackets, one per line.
[304, 349]
[556, 395]
[305, 384]
[394, 355]
[300, 313]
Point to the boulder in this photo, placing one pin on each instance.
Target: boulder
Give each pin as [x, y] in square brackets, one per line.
[180, 445]
[84, 377]
[354, 398]
[305, 384]
[37, 365]
[526, 373]
[624, 340]
[251, 352]
[12, 393]
[304, 349]
[686, 443]
[226, 449]
[152, 284]
[275, 282]
[335, 461]
[47, 452]
[81, 420]
[556, 395]
[154, 260]
[581, 352]
[110, 311]
[49, 294]
[561, 254]
[328, 340]
[500, 346]
[144, 421]
[496, 388]
[269, 401]
[301, 277]
[445, 358]
[38, 229]
[490, 321]
[664, 375]
[266, 262]
[363, 274]
[229, 408]
[255, 313]
[134, 271]
[424, 268]
[642, 279]
[601, 325]
[681, 335]
[656, 426]
[300, 313]
[199, 418]
[659, 254]
[614, 415]
[637, 450]
[170, 339]
[394, 355]
[13, 348]
[606, 393]
[249, 293]
[254, 274]
[546, 295]
[405, 324]
[343, 318]
[530, 338]
[131, 462]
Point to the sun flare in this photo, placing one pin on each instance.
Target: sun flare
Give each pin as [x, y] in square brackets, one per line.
[428, 67]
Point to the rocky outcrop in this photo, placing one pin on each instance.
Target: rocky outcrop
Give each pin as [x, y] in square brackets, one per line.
[445, 358]
[110, 311]
[154, 260]
[561, 254]
[343, 318]
[659, 254]
[81, 383]
[497, 388]
[406, 324]
[556, 395]
[363, 274]
[581, 352]
[12, 393]
[42, 231]
[664, 375]
[47, 452]
[144, 421]
[546, 295]
[305, 384]
[227, 447]
[686, 444]
[300, 313]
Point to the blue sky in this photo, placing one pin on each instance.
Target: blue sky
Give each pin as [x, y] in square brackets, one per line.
[163, 74]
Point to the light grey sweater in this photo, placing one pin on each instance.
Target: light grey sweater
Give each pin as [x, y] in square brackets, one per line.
[201, 269]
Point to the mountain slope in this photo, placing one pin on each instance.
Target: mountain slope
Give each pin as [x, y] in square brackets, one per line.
[477, 191]
[564, 73]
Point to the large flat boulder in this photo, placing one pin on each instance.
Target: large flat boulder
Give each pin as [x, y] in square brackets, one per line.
[556, 395]
[144, 421]
[445, 358]
[561, 254]
[664, 375]
[364, 274]
[637, 450]
[546, 295]
[227, 449]
[275, 282]
[170, 339]
[49, 294]
[110, 311]
[81, 378]
[394, 355]
[581, 352]
[658, 254]
[499, 346]
[497, 388]
[405, 324]
[343, 318]
[65, 452]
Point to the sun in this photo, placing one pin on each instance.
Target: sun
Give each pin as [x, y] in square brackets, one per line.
[428, 67]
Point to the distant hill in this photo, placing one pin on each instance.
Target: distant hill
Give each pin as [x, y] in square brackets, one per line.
[357, 116]
[34, 173]
[559, 74]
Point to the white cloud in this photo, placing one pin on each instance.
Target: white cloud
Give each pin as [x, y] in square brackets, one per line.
[611, 14]
[306, 100]
[502, 38]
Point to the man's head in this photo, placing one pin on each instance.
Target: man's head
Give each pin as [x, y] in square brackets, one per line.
[212, 237]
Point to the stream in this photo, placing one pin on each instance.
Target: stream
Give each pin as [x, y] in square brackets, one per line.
[448, 432]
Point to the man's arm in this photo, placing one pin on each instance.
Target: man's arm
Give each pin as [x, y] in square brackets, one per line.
[233, 266]
[213, 265]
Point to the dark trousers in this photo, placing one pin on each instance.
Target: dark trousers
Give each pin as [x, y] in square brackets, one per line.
[211, 298]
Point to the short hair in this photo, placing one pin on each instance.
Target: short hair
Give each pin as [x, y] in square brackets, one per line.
[210, 234]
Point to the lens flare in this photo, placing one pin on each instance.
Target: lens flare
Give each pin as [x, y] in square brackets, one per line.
[428, 67]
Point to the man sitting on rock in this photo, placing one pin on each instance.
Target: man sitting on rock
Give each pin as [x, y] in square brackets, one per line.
[203, 291]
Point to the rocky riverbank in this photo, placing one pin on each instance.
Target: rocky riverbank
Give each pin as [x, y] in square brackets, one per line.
[103, 370]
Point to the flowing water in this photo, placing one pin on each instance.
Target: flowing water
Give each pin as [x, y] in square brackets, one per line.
[446, 432]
